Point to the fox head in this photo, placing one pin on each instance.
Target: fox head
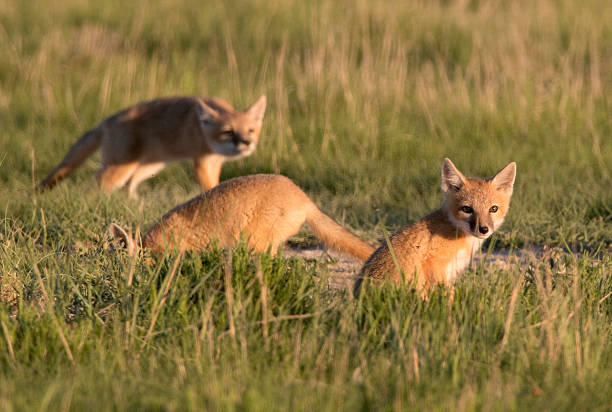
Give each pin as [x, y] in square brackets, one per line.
[477, 206]
[232, 133]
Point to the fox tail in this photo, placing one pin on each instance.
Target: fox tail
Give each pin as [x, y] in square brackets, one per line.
[75, 157]
[337, 237]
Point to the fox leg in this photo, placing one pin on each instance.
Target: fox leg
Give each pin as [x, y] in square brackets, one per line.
[261, 244]
[277, 232]
[208, 170]
[142, 173]
[115, 176]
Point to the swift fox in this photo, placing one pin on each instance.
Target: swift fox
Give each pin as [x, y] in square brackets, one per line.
[137, 142]
[437, 248]
[266, 209]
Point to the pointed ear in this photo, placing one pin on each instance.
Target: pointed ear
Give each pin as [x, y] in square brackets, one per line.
[117, 232]
[258, 109]
[451, 176]
[504, 179]
[206, 114]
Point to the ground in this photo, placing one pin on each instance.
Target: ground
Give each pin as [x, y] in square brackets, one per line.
[365, 99]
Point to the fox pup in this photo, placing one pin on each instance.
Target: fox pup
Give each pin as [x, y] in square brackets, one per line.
[438, 248]
[265, 209]
[138, 141]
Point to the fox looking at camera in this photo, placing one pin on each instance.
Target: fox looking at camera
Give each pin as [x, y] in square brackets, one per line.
[439, 247]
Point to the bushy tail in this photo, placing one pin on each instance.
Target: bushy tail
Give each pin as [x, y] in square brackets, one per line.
[117, 232]
[337, 237]
[75, 157]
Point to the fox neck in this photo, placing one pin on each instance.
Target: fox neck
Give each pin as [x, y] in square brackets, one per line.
[462, 258]
[469, 246]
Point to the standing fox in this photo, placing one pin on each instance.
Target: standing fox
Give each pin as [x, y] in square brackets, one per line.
[265, 209]
[138, 141]
[438, 248]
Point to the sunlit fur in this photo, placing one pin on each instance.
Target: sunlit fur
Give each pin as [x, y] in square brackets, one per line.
[439, 247]
[137, 142]
[264, 210]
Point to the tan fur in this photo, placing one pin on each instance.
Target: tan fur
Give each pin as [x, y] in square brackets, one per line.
[264, 209]
[438, 248]
[138, 141]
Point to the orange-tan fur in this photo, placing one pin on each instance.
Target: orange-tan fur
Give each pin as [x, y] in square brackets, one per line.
[265, 210]
[138, 141]
[439, 247]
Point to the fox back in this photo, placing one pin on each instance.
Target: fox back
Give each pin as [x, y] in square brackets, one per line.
[264, 209]
[137, 142]
[437, 248]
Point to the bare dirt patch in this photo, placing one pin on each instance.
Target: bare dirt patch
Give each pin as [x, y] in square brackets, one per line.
[343, 269]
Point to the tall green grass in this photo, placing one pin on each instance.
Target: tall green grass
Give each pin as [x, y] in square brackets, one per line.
[227, 331]
[365, 99]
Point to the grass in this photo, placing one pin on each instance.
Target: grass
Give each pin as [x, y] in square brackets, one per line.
[365, 98]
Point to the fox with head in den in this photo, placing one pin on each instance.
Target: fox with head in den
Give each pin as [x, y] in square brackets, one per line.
[439, 247]
[265, 210]
[137, 142]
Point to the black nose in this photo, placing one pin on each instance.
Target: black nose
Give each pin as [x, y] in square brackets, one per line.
[483, 229]
[241, 140]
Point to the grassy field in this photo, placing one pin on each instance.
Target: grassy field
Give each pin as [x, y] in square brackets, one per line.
[365, 98]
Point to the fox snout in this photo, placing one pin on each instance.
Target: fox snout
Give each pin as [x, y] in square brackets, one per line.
[480, 227]
[240, 140]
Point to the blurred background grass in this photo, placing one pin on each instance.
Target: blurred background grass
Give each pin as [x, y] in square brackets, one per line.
[365, 98]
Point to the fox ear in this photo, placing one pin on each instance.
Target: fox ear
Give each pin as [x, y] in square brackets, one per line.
[258, 109]
[117, 232]
[504, 179]
[451, 176]
[207, 114]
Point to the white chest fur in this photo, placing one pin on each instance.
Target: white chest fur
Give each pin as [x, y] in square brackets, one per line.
[462, 259]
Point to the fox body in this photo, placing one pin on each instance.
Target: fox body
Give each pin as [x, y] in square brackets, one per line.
[264, 209]
[138, 141]
[439, 247]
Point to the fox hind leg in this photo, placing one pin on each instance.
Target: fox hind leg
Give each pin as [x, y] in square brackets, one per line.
[112, 177]
[142, 173]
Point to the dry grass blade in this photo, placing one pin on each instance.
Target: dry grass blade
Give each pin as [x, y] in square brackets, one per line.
[8, 343]
[162, 300]
[51, 312]
[264, 304]
[229, 296]
[509, 317]
[577, 326]
[289, 317]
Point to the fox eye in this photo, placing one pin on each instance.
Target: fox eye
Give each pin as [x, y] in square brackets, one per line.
[251, 130]
[493, 209]
[467, 209]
